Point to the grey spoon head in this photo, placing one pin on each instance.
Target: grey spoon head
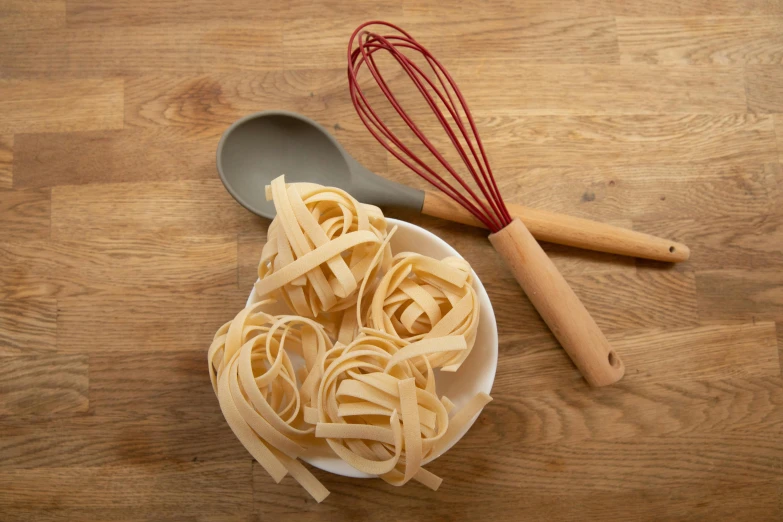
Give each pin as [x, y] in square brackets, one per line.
[256, 149]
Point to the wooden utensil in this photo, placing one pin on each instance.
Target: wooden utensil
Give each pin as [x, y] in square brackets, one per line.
[558, 305]
[259, 147]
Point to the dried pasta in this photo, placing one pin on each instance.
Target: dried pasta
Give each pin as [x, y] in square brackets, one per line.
[320, 247]
[422, 298]
[261, 392]
[381, 414]
[288, 382]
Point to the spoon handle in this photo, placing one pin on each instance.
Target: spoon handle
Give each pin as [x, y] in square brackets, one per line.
[568, 230]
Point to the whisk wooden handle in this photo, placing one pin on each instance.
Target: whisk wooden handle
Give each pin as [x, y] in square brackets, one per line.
[558, 305]
[569, 230]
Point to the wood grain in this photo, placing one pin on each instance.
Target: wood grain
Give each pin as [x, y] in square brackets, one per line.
[705, 40]
[172, 322]
[752, 243]
[779, 135]
[127, 155]
[531, 39]
[120, 492]
[535, 364]
[649, 192]
[516, 144]
[28, 326]
[42, 14]
[121, 252]
[665, 409]
[44, 385]
[735, 295]
[579, 140]
[84, 13]
[648, 299]
[500, 9]
[171, 208]
[93, 267]
[596, 89]
[128, 424]
[6, 161]
[713, 501]
[60, 106]
[765, 87]
[118, 440]
[125, 50]
[25, 214]
[127, 389]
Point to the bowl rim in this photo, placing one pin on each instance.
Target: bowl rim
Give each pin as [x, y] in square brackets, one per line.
[343, 468]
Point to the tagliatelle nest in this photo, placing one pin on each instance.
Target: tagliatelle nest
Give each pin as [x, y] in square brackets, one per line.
[422, 298]
[261, 392]
[381, 414]
[321, 247]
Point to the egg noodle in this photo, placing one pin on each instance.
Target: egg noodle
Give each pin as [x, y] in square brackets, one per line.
[285, 387]
[423, 298]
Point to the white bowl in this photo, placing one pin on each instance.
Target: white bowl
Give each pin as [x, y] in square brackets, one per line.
[475, 375]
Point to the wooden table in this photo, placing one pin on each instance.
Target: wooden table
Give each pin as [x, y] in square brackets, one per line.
[121, 253]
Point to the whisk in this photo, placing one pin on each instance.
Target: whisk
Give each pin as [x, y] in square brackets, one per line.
[546, 288]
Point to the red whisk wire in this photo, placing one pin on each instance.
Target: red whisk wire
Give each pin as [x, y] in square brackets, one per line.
[493, 214]
[367, 114]
[406, 66]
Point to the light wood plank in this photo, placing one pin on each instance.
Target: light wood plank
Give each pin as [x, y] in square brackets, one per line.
[740, 295]
[119, 440]
[690, 461]
[779, 135]
[60, 106]
[94, 51]
[6, 161]
[127, 386]
[617, 301]
[501, 86]
[177, 208]
[744, 350]
[249, 246]
[765, 87]
[146, 407]
[203, 107]
[703, 502]
[163, 489]
[543, 39]
[492, 10]
[43, 385]
[614, 193]
[25, 214]
[85, 13]
[724, 243]
[129, 155]
[632, 409]
[517, 144]
[519, 472]
[138, 264]
[643, 139]
[663, 355]
[27, 326]
[704, 40]
[20, 15]
[132, 322]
